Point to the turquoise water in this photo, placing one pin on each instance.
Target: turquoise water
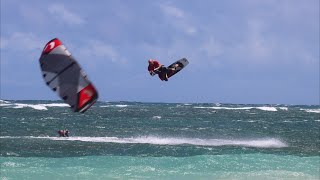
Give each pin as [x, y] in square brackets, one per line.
[237, 166]
[132, 140]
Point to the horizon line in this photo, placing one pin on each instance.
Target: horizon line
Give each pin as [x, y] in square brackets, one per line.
[158, 102]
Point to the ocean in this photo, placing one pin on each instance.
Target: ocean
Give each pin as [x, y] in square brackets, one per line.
[136, 140]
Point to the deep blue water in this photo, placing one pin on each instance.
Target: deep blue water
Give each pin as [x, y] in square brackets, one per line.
[133, 140]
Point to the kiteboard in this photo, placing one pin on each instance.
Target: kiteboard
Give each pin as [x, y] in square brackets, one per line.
[63, 74]
[177, 66]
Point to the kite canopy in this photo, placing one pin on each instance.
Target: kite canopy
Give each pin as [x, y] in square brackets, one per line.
[64, 75]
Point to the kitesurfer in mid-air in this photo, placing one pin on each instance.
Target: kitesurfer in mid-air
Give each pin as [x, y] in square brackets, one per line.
[63, 133]
[156, 68]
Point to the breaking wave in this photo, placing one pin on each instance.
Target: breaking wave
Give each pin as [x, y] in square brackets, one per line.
[33, 106]
[263, 108]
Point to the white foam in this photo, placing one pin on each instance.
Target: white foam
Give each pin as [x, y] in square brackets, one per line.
[55, 105]
[156, 117]
[50, 118]
[267, 108]
[37, 107]
[283, 108]
[100, 127]
[311, 110]
[12, 154]
[287, 121]
[259, 143]
[3, 101]
[226, 108]
[11, 164]
[263, 108]
[119, 105]
[265, 143]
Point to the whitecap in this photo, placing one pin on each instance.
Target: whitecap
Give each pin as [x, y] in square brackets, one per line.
[10, 164]
[37, 107]
[251, 121]
[311, 110]
[12, 154]
[283, 108]
[287, 121]
[100, 127]
[3, 101]
[55, 105]
[225, 108]
[264, 108]
[50, 118]
[119, 105]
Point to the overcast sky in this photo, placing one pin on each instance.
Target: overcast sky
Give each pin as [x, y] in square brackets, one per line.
[247, 51]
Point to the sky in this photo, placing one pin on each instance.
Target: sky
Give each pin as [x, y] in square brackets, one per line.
[241, 52]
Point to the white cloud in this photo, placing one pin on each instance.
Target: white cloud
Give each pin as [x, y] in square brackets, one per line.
[20, 44]
[61, 13]
[257, 47]
[99, 50]
[19, 41]
[3, 42]
[212, 48]
[154, 51]
[178, 19]
[172, 11]
[104, 50]
[191, 30]
[32, 16]
[262, 45]
[279, 32]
